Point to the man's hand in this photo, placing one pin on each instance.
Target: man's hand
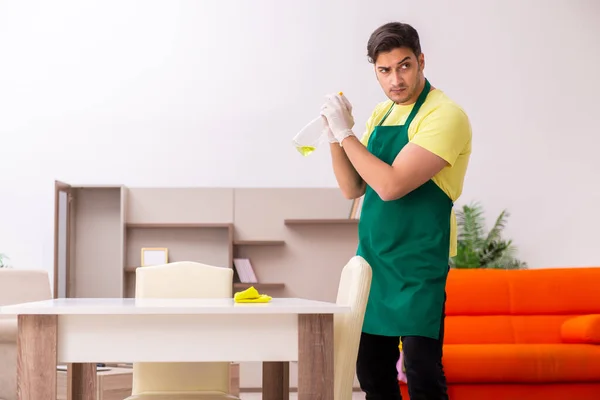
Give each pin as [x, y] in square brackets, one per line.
[338, 112]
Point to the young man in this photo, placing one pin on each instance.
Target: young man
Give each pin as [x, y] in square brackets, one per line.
[410, 166]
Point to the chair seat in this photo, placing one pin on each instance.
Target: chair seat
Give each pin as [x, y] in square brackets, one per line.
[183, 396]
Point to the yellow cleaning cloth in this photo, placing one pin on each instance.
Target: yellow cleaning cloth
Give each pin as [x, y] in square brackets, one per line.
[251, 295]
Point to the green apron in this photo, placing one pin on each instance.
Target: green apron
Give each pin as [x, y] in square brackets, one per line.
[407, 243]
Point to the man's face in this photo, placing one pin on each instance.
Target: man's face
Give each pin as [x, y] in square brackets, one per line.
[400, 74]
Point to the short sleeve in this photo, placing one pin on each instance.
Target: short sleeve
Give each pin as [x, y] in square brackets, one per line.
[370, 125]
[445, 132]
[368, 129]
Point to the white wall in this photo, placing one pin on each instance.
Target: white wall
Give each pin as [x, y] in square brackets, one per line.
[134, 92]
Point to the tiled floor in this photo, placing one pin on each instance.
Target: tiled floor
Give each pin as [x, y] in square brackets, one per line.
[293, 396]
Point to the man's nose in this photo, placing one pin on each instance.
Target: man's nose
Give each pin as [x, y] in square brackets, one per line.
[395, 78]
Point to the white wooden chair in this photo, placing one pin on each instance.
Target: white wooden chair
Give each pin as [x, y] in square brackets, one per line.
[182, 381]
[353, 291]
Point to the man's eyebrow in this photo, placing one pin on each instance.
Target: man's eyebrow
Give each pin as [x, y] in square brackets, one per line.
[399, 62]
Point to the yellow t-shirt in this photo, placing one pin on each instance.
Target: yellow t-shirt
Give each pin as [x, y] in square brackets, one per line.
[442, 127]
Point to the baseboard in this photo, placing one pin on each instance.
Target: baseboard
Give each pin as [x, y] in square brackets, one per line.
[292, 390]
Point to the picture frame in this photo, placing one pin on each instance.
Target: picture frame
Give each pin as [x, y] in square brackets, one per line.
[154, 256]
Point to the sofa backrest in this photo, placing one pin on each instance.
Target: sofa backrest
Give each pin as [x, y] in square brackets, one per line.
[517, 306]
[22, 286]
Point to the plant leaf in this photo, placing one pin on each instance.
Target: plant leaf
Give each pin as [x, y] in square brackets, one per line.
[476, 249]
[496, 231]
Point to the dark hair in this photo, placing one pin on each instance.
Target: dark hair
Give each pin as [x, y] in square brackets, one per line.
[392, 36]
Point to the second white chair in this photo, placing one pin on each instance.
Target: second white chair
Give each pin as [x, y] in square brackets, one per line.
[182, 381]
[353, 291]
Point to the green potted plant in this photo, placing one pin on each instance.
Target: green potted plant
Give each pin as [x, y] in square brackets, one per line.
[4, 261]
[478, 249]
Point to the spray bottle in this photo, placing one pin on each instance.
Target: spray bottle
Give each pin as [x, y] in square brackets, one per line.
[311, 136]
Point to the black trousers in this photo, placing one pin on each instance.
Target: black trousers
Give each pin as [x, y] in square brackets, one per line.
[377, 373]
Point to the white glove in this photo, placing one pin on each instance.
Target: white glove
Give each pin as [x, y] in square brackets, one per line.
[338, 112]
[330, 136]
[327, 130]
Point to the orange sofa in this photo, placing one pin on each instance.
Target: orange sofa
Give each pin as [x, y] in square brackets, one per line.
[522, 334]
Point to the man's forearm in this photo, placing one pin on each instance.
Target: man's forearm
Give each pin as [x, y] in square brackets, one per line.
[376, 173]
[349, 180]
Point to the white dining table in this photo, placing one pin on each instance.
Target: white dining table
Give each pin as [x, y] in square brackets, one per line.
[81, 332]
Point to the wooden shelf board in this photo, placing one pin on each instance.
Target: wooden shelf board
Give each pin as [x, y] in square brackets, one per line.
[104, 186]
[130, 269]
[258, 242]
[349, 221]
[258, 286]
[178, 225]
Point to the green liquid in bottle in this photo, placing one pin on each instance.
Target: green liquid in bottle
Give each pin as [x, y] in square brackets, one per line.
[305, 150]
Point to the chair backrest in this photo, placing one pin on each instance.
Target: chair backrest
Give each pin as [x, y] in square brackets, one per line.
[353, 291]
[182, 280]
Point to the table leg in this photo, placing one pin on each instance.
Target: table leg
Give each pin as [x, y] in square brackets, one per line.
[276, 381]
[81, 381]
[315, 357]
[36, 357]
[234, 379]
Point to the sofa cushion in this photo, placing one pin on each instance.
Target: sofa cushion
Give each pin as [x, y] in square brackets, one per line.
[582, 329]
[504, 329]
[520, 363]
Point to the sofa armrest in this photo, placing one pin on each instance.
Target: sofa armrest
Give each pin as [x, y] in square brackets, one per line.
[8, 330]
[581, 329]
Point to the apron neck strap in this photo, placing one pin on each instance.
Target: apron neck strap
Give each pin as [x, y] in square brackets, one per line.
[415, 109]
[419, 102]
